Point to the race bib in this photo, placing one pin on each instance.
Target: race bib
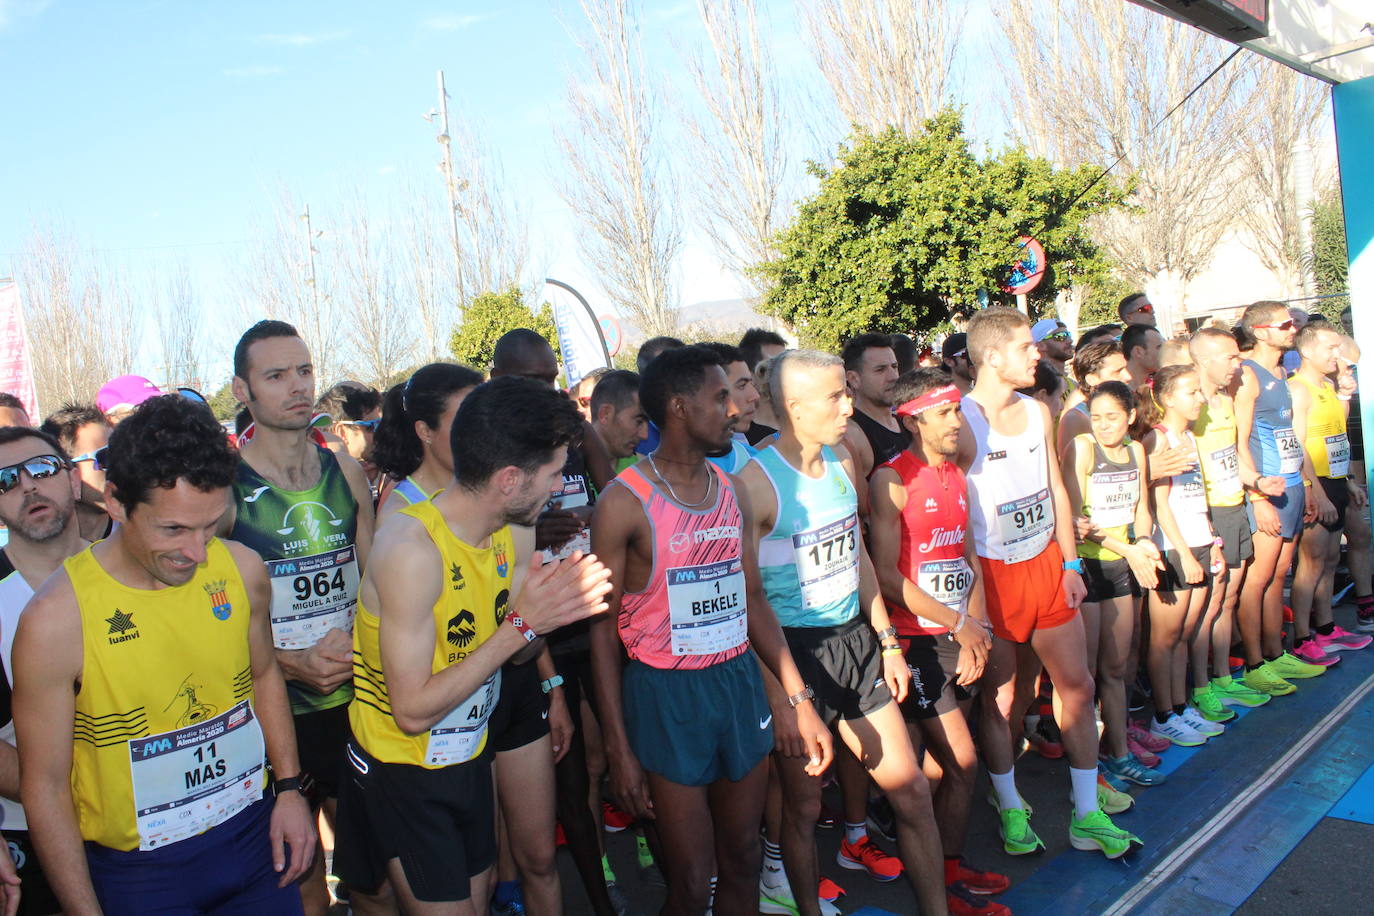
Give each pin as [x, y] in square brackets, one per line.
[457, 737]
[948, 582]
[706, 608]
[1224, 466]
[1025, 525]
[1290, 451]
[1115, 494]
[313, 595]
[1188, 495]
[197, 777]
[574, 496]
[1337, 455]
[828, 562]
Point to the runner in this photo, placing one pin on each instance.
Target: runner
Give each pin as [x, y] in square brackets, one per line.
[411, 448]
[581, 393]
[1191, 550]
[820, 582]
[924, 562]
[417, 809]
[307, 512]
[1319, 421]
[617, 416]
[148, 698]
[954, 357]
[746, 397]
[688, 734]
[1104, 475]
[1271, 464]
[1023, 529]
[759, 344]
[83, 431]
[12, 411]
[648, 352]
[1092, 365]
[119, 396]
[1136, 309]
[355, 410]
[1141, 345]
[1217, 358]
[1055, 344]
[39, 509]
[874, 435]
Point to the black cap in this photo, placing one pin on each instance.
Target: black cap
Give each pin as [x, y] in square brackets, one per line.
[953, 344]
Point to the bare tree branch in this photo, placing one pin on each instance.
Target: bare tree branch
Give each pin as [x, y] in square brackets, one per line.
[180, 323]
[380, 332]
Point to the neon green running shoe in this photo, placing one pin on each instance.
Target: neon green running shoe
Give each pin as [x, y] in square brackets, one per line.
[1232, 692]
[996, 803]
[1288, 666]
[1266, 680]
[1209, 705]
[1018, 839]
[1097, 832]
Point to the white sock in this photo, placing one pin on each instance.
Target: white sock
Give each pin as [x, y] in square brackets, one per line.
[1084, 784]
[773, 874]
[855, 832]
[1004, 784]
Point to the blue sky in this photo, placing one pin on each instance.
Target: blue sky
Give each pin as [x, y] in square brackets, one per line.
[163, 131]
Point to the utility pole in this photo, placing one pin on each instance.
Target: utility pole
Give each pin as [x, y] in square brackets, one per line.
[450, 185]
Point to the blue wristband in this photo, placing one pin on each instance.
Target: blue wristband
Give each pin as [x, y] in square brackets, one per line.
[1074, 565]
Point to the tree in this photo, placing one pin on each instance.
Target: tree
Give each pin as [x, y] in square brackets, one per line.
[907, 229]
[223, 403]
[180, 322]
[381, 332]
[1329, 262]
[615, 180]
[492, 314]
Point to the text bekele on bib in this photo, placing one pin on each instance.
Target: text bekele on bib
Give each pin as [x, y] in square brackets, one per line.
[706, 607]
[1115, 494]
[827, 562]
[1025, 526]
[457, 737]
[197, 777]
[313, 595]
[948, 582]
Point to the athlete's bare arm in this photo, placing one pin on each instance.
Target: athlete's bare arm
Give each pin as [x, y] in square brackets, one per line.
[47, 675]
[1075, 463]
[811, 737]
[362, 494]
[1246, 395]
[560, 719]
[861, 483]
[1164, 514]
[859, 449]
[291, 831]
[1072, 423]
[1074, 589]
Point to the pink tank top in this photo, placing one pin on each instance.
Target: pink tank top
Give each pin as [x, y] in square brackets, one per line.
[692, 612]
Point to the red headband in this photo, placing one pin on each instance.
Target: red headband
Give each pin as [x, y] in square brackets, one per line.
[937, 397]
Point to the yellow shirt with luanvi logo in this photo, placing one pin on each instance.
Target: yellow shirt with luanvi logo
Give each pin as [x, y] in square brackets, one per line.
[166, 741]
[474, 600]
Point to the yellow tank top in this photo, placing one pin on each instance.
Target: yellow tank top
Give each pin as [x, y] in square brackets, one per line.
[474, 601]
[1110, 494]
[1215, 432]
[1326, 440]
[167, 743]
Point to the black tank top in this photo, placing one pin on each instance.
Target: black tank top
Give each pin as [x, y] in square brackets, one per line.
[883, 441]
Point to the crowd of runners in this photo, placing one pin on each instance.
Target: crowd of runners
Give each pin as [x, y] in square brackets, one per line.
[452, 625]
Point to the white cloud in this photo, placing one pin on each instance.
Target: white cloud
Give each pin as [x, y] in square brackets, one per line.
[11, 10]
[252, 71]
[300, 39]
[452, 22]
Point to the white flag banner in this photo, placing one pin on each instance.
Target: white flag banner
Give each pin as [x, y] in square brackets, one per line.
[579, 332]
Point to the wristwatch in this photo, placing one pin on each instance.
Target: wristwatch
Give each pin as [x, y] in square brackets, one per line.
[289, 784]
[555, 681]
[1074, 565]
[797, 699]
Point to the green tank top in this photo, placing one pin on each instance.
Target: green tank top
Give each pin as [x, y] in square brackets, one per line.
[308, 539]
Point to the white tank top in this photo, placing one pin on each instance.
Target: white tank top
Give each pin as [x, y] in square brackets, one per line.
[1012, 508]
[1187, 501]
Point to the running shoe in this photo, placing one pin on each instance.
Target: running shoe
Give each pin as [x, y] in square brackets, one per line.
[1146, 758]
[882, 820]
[866, 856]
[1210, 705]
[1288, 666]
[962, 902]
[1265, 679]
[1202, 725]
[1177, 731]
[778, 901]
[1097, 832]
[1232, 692]
[1043, 745]
[829, 890]
[1141, 736]
[975, 880]
[1341, 640]
[614, 819]
[828, 819]
[1131, 770]
[1110, 798]
[996, 802]
[1314, 654]
[1018, 839]
[1364, 618]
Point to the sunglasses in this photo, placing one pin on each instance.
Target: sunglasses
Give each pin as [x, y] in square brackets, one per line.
[40, 468]
[96, 457]
[1281, 326]
[366, 425]
[1058, 335]
[959, 354]
[1147, 308]
[584, 402]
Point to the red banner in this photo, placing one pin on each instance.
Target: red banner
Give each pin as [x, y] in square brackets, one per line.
[16, 367]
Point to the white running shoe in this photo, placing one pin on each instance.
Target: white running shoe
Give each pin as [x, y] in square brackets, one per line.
[1177, 731]
[1202, 725]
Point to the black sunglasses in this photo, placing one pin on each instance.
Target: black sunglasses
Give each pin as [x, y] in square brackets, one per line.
[39, 468]
[368, 425]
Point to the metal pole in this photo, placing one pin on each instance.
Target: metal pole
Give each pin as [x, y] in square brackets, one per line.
[451, 185]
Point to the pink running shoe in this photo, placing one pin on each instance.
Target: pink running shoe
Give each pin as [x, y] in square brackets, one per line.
[1340, 640]
[1143, 738]
[1146, 757]
[1313, 654]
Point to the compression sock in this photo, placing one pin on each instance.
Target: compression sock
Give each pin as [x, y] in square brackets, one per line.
[853, 833]
[1084, 784]
[1327, 629]
[1004, 784]
[1179, 707]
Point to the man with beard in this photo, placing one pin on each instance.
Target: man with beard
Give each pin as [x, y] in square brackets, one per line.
[874, 435]
[1055, 344]
[307, 511]
[954, 357]
[39, 507]
[82, 430]
[436, 623]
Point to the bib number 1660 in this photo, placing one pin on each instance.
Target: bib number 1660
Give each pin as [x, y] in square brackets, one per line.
[318, 585]
[950, 583]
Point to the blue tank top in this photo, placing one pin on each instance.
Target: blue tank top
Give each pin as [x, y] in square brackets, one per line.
[809, 562]
[1275, 448]
[733, 460]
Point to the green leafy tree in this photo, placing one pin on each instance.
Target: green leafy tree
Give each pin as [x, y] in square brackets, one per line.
[907, 230]
[1329, 263]
[223, 403]
[490, 315]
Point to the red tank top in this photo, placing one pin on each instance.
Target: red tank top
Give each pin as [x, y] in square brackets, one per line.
[692, 612]
[933, 526]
